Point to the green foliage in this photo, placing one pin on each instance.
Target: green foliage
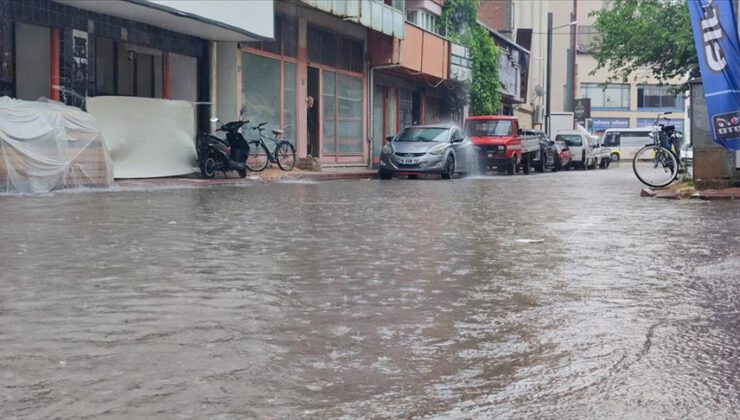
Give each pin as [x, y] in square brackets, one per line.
[485, 90]
[639, 34]
[458, 19]
[457, 16]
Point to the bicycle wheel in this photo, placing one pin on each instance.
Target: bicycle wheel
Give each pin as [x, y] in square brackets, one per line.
[258, 156]
[655, 166]
[285, 155]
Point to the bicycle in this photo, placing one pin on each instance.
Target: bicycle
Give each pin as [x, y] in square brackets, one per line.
[260, 155]
[658, 164]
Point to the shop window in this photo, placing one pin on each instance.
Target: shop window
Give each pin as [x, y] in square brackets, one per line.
[653, 97]
[328, 114]
[289, 100]
[261, 85]
[349, 116]
[614, 96]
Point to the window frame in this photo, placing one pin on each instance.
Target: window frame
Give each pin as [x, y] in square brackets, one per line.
[679, 99]
[624, 87]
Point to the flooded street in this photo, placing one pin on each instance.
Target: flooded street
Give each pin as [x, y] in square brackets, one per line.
[558, 295]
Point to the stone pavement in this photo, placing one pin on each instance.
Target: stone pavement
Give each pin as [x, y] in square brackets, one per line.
[678, 192]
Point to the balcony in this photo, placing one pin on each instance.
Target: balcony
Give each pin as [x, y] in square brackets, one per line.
[372, 14]
[420, 53]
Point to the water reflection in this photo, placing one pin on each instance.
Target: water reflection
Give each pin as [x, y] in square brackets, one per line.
[371, 299]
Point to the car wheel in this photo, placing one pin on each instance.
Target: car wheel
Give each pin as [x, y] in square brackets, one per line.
[385, 175]
[511, 167]
[449, 168]
[615, 157]
[557, 166]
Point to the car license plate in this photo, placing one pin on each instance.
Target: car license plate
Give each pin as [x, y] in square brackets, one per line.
[409, 161]
[490, 155]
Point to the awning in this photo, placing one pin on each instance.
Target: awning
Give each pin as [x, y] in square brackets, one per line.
[215, 20]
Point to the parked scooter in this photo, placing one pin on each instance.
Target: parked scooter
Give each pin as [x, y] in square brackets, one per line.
[217, 154]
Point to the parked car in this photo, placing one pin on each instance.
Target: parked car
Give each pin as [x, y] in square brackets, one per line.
[580, 147]
[563, 156]
[545, 158]
[502, 143]
[425, 149]
[603, 153]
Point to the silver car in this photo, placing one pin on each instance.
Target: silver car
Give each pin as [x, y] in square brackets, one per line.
[422, 149]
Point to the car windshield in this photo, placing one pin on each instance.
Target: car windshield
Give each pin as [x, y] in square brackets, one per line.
[426, 134]
[480, 128]
[570, 139]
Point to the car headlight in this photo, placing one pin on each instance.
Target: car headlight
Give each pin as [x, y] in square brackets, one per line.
[387, 150]
[502, 148]
[437, 150]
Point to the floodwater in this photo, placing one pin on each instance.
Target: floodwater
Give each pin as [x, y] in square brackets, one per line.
[560, 295]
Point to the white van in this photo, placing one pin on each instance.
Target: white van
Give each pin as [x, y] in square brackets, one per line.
[625, 142]
[581, 147]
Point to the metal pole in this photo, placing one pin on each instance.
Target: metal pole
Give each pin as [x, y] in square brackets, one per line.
[549, 72]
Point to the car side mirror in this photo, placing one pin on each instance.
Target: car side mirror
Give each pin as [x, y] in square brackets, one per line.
[458, 139]
[389, 139]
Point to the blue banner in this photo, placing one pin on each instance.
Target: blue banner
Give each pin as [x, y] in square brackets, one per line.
[715, 34]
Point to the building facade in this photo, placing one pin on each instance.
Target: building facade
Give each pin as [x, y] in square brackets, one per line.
[72, 49]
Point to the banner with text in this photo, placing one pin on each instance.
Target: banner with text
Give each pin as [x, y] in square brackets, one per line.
[716, 38]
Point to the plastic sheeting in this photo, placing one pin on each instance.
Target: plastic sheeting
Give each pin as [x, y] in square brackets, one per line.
[147, 138]
[47, 145]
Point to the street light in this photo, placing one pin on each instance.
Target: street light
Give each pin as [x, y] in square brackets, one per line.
[549, 65]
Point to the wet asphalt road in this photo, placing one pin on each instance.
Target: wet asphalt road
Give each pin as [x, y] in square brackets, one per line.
[559, 295]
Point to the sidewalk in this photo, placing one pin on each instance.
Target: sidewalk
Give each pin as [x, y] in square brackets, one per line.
[691, 193]
[268, 175]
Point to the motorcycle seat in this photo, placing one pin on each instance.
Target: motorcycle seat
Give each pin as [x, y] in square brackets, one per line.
[277, 132]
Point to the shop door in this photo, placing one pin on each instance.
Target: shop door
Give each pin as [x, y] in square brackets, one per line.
[312, 111]
[405, 108]
[32, 61]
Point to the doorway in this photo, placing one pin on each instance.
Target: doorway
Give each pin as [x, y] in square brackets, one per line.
[312, 112]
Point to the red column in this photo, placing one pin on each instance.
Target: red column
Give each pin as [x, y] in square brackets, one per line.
[54, 68]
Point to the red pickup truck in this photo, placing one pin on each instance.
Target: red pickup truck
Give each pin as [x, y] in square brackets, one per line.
[501, 143]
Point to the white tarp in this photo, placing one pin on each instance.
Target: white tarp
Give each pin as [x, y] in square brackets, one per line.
[147, 138]
[47, 145]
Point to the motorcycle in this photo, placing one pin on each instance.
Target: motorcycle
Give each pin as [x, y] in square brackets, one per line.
[217, 154]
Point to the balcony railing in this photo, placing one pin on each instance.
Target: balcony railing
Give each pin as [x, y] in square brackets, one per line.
[373, 14]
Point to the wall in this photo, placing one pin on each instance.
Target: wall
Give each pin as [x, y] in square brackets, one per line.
[714, 166]
[497, 15]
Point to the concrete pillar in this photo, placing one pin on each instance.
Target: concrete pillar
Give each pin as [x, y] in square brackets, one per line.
[302, 90]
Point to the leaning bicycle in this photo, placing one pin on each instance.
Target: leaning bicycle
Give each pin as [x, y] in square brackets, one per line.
[658, 164]
[260, 155]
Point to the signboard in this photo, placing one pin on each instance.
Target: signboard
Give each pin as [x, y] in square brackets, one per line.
[601, 124]
[582, 110]
[648, 122]
[718, 50]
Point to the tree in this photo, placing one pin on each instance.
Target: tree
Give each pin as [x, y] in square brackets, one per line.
[638, 34]
[459, 21]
